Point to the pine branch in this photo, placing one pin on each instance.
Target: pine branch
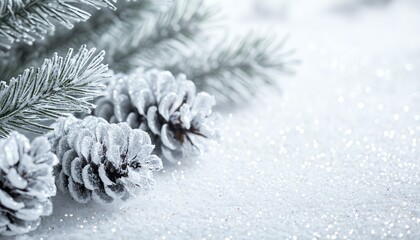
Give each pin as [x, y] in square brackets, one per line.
[59, 87]
[93, 33]
[28, 20]
[148, 26]
[95, 30]
[168, 30]
[232, 69]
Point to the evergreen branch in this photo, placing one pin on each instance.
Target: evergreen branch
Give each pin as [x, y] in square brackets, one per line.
[93, 33]
[28, 20]
[148, 26]
[59, 87]
[170, 29]
[232, 69]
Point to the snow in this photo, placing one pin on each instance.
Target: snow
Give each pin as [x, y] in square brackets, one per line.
[336, 156]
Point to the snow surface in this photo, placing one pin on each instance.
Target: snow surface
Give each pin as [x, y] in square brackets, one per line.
[335, 157]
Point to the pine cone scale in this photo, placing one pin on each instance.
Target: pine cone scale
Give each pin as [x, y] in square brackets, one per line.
[16, 180]
[7, 201]
[90, 179]
[78, 191]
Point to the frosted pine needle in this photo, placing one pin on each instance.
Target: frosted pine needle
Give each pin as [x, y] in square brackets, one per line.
[59, 87]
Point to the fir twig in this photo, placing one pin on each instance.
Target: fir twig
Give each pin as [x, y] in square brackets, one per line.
[149, 27]
[170, 29]
[59, 87]
[28, 20]
[233, 68]
[95, 32]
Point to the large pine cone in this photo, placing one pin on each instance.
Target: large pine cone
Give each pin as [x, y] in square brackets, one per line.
[26, 183]
[102, 161]
[168, 108]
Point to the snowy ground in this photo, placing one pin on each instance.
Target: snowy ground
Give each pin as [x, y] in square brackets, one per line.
[335, 157]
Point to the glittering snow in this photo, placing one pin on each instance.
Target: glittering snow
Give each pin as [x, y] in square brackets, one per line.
[335, 157]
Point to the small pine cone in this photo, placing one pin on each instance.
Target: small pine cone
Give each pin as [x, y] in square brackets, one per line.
[168, 108]
[102, 161]
[26, 183]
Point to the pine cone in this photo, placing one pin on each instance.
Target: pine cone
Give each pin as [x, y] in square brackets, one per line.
[26, 183]
[168, 108]
[102, 161]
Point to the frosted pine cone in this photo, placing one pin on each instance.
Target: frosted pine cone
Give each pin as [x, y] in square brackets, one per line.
[102, 161]
[177, 119]
[26, 183]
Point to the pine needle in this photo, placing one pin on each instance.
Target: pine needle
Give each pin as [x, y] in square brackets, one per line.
[59, 87]
[233, 68]
[170, 29]
[29, 20]
[95, 32]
